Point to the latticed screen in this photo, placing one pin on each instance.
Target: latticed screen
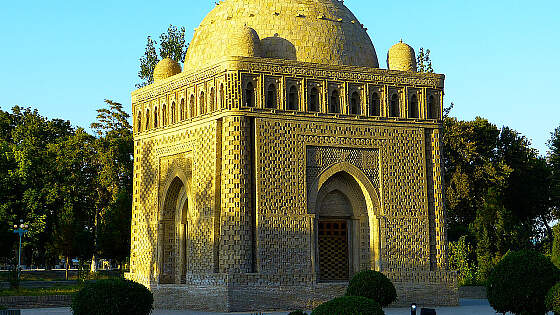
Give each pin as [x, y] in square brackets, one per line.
[333, 250]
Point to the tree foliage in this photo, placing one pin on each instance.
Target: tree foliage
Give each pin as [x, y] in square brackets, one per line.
[520, 283]
[462, 258]
[423, 61]
[172, 44]
[553, 160]
[497, 190]
[115, 148]
[57, 178]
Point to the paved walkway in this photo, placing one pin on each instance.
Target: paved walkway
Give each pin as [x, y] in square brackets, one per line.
[468, 307]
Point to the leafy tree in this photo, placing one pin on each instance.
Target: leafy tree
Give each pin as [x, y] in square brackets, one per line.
[553, 159]
[28, 176]
[463, 259]
[73, 194]
[555, 254]
[423, 61]
[471, 168]
[172, 45]
[114, 147]
[497, 189]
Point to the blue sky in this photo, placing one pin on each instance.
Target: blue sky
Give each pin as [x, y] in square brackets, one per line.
[501, 58]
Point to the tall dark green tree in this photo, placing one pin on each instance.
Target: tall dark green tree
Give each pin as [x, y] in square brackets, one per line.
[114, 147]
[497, 190]
[73, 162]
[172, 44]
[553, 159]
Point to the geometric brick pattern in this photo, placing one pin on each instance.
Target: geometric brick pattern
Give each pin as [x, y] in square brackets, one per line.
[252, 233]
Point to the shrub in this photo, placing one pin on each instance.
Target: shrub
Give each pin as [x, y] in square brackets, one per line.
[115, 296]
[298, 312]
[552, 300]
[520, 282]
[372, 285]
[349, 305]
[556, 246]
[462, 259]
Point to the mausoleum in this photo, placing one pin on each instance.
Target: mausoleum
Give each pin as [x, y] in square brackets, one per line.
[281, 160]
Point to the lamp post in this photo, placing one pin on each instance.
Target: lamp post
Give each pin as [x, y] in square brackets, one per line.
[413, 309]
[21, 229]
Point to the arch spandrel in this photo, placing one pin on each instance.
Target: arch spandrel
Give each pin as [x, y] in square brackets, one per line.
[369, 191]
[171, 171]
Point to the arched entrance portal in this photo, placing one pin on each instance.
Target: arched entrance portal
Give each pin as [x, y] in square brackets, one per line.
[174, 232]
[342, 229]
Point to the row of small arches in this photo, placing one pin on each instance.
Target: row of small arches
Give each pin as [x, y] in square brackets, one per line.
[334, 105]
[173, 114]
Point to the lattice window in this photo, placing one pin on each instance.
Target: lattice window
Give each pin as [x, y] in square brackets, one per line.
[333, 250]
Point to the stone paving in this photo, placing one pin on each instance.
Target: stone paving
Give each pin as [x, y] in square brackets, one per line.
[468, 307]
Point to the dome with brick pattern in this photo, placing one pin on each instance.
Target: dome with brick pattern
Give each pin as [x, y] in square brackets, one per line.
[166, 68]
[318, 31]
[401, 57]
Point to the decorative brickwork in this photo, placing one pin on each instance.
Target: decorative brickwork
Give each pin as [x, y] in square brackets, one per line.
[233, 188]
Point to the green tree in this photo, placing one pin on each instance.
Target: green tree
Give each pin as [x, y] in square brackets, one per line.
[172, 45]
[423, 61]
[555, 253]
[497, 189]
[553, 159]
[26, 136]
[471, 167]
[72, 192]
[115, 148]
[462, 258]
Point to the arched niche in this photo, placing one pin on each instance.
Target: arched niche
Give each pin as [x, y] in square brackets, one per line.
[343, 194]
[174, 212]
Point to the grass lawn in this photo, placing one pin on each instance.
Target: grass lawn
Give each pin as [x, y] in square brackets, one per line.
[59, 275]
[57, 290]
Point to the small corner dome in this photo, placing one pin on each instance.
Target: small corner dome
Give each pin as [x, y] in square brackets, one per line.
[401, 57]
[166, 68]
[244, 42]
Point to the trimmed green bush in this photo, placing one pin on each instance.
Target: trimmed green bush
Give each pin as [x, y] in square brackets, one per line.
[552, 300]
[349, 305]
[110, 297]
[372, 285]
[520, 282]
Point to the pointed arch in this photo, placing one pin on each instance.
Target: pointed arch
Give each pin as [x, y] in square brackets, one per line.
[368, 189]
[175, 203]
[359, 241]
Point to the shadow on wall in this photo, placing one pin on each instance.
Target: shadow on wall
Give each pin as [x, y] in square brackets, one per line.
[147, 170]
[278, 47]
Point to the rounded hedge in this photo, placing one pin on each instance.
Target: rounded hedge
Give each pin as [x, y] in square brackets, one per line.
[115, 296]
[552, 300]
[372, 285]
[520, 282]
[349, 305]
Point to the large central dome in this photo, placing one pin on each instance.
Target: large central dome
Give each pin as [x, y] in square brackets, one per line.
[319, 31]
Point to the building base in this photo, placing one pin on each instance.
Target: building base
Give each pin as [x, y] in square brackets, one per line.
[225, 293]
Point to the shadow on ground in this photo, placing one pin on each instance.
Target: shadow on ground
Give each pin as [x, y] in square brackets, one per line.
[468, 307]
